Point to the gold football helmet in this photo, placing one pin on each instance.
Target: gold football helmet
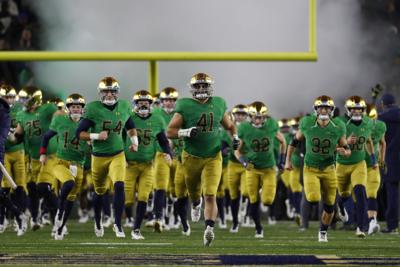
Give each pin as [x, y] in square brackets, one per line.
[142, 109]
[8, 93]
[201, 86]
[75, 99]
[372, 112]
[324, 101]
[34, 96]
[258, 109]
[108, 85]
[169, 93]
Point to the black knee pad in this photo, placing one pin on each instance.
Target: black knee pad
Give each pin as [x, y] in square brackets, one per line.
[329, 208]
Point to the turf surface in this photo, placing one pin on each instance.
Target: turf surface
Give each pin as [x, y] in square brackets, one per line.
[283, 240]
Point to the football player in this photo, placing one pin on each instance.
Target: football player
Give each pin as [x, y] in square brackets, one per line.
[373, 175]
[256, 153]
[324, 136]
[236, 172]
[70, 157]
[197, 120]
[13, 162]
[106, 119]
[163, 171]
[352, 171]
[14, 159]
[33, 123]
[140, 176]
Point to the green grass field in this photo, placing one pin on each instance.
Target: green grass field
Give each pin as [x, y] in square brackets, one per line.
[82, 247]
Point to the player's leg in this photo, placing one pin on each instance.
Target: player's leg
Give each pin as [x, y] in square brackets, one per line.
[193, 167]
[46, 180]
[210, 178]
[132, 172]
[285, 178]
[328, 186]
[343, 173]
[296, 189]
[359, 181]
[162, 176]
[373, 182]
[117, 172]
[182, 198]
[253, 181]
[99, 176]
[233, 176]
[67, 178]
[144, 186]
[220, 204]
[19, 175]
[34, 169]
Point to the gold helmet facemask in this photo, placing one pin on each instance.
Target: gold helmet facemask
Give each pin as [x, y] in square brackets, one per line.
[324, 101]
[106, 86]
[140, 109]
[75, 99]
[201, 86]
[355, 107]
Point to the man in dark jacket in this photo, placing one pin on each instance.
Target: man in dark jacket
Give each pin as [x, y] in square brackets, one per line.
[391, 175]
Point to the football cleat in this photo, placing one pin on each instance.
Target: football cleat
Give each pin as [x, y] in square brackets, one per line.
[360, 233]
[187, 232]
[60, 233]
[22, 223]
[222, 225]
[297, 219]
[322, 236]
[196, 212]
[373, 227]
[234, 229]
[271, 220]
[136, 235]
[45, 219]
[34, 225]
[158, 226]
[3, 226]
[343, 215]
[119, 232]
[208, 236]
[107, 221]
[259, 234]
[289, 212]
[129, 222]
[57, 220]
[84, 218]
[99, 232]
[150, 223]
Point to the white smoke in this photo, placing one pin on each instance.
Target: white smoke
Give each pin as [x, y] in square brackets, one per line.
[208, 25]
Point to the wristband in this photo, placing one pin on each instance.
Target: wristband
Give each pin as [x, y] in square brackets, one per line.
[134, 140]
[42, 151]
[94, 136]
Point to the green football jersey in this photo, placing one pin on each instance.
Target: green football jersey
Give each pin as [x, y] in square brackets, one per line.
[10, 147]
[378, 131]
[259, 142]
[166, 117]
[69, 146]
[112, 121]
[225, 137]
[147, 130]
[321, 142]
[207, 118]
[35, 125]
[362, 132]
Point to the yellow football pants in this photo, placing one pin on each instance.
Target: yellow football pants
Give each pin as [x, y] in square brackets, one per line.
[264, 179]
[317, 181]
[349, 176]
[139, 178]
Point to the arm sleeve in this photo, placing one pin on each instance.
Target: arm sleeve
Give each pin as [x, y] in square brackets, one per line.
[83, 126]
[164, 144]
[45, 140]
[129, 124]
